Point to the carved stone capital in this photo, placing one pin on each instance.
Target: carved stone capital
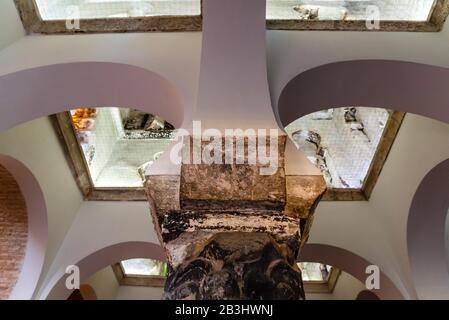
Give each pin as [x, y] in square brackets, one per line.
[231, 232]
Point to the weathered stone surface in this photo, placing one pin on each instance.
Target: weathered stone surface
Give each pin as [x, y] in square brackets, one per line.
[163, 193]
[181, 227]
[303, 194]
[222, 186]
[226, 269]
[246, 144]
[163, 196]
[231, 232]
[231, 186]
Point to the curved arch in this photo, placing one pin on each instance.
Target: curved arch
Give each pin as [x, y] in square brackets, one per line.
[101, 259]
[402, 86]
[350, 263]
[36, 246]
[47, 90]
[426, 232]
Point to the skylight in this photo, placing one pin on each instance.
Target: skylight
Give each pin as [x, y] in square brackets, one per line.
[97, 9]
[56, 16]
[343, 142]
[118, 144]
[313, 272]
[350, 10]
[144, 267]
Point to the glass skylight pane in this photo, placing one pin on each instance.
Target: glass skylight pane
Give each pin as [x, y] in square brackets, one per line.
[312, 271]
[118, 144]
[93, 9]
[389, 10]
[341, 142]
[144, 267]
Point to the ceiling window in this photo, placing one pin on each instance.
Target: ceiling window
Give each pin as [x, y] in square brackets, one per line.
[318, 277]
[49, 16]
[389, 10]
[314, 271]
[111, 149]
[98, 9]
[392, 15]
[144, 267]
[90, 16]
[141, 272]
[349, 145]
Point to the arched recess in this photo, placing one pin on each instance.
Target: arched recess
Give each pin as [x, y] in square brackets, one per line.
[34, 93]
[350, 263]
[56, 289]
[426, 232]
[401, 86]
[36, 242]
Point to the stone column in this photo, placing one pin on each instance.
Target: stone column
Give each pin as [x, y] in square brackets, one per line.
[231, 232]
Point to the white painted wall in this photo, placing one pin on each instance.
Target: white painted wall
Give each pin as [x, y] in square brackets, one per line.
[11, 28]
[175, 56]
[98, 225]
[346, 288]
[293, 52]
[36, 145]
[104, 283]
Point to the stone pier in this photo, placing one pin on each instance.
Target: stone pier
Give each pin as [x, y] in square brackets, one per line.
[231, 232]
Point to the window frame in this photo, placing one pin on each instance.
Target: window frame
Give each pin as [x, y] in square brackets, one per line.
[65, 130]
[136, 280]
[33, 23]
[438, 15]
[325, 286]
[380, 156]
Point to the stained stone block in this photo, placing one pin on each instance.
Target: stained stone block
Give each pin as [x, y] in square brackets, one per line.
[222, 187]
[163, 192]
[234, 149]
[163, 196]
[303, 194]
[233, 186]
